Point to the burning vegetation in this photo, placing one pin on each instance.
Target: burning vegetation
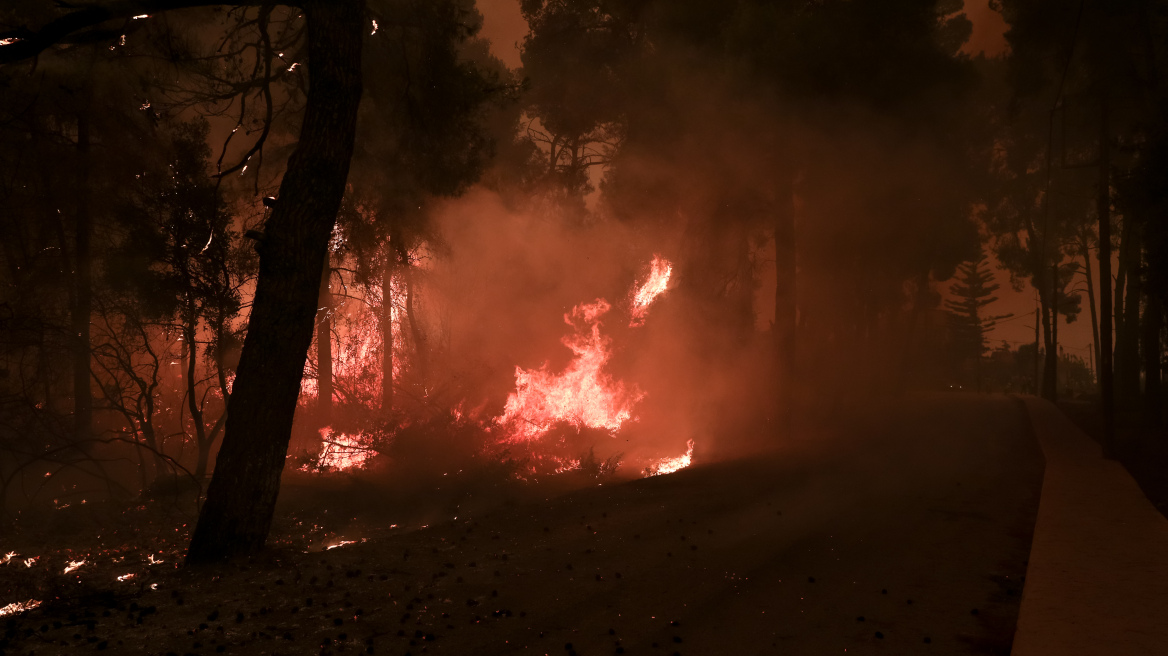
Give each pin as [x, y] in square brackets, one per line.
[548, 413]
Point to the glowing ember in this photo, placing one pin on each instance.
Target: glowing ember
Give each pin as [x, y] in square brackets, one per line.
[73, 564]
[670, 465]
[29, 562]
[582, 395]
[9, 556]
[126, 577]
[339, 451]
[18, 607]
[340, 544]
[648, 291]
[568, 466]
[155, 561]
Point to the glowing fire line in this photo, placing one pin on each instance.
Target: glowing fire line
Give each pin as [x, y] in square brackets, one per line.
[670, 465]
[582, 395]
[18, 607]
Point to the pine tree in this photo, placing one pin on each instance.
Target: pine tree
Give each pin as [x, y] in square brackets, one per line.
[972, 291]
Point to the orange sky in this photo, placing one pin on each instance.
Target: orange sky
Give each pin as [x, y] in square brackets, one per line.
[504, 27]
[988, 29]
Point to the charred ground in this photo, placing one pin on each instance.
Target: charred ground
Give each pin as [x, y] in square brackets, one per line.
[903, 528]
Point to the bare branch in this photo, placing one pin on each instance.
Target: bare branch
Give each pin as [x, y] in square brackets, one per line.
[24, 43]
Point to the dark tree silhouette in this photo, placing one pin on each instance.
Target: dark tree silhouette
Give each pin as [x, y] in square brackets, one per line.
[292, 251]
[972, 290]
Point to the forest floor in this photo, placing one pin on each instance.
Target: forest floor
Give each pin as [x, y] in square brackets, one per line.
[903, 530]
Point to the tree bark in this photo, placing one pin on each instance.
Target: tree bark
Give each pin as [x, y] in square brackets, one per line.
[786, 303]
[241, 499]
[324, 348]
[83, 294]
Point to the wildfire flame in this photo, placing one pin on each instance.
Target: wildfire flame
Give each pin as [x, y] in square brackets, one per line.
[582, 395]
[340, 451]
[649, 290]
[670, 465]
[356, 357]
[18, 607]
[73, 564]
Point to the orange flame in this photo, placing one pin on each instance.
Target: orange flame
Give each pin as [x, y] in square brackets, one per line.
[582, 395]
[339, 451]
[18, 607]
[670, 465]
[649, 290]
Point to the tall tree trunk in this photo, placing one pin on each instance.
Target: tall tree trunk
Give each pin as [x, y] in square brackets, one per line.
[220, 372]
[1127, 331]
[1086, 250]
[237, 514]
[324, 348]
[387, 335]
[786, 303]
[1037, 323]
[420, 361]
[1049, 366]
[83, 294]
[1153, 326]
[190, 324]
[1103, 213]
[420, 347]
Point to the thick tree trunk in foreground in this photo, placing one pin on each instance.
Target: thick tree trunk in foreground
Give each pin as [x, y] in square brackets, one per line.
[324, 348]
[83, 294]
[785, 304]
[241, 498]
